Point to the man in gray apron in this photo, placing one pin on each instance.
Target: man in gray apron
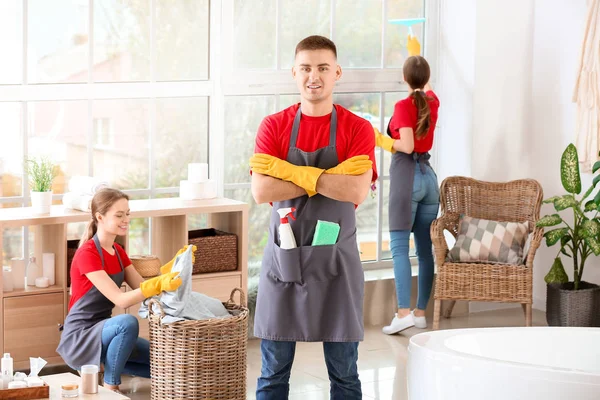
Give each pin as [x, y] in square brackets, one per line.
[311, 293]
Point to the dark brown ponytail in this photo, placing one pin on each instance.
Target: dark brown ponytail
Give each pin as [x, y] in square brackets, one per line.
[89, 232]
[416, 74]
[101, 203]
[423, 114]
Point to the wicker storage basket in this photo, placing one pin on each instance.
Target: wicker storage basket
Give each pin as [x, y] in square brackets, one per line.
[216, 251]
[199, 359]
[146, 266]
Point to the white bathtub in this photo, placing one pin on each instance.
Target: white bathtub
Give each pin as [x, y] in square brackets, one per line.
[505, 363]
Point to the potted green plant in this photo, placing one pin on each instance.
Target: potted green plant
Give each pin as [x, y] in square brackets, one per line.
[577, 302]
[40, 172]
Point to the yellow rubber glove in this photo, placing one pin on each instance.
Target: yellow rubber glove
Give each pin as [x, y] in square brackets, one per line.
[356, 165]
[384, 141]
[168, 266]
[413, 46]
[305, 177]
[165, 282]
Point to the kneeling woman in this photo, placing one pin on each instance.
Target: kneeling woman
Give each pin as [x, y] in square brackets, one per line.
[99, 268]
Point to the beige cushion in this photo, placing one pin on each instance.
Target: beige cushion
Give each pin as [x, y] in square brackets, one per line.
[493, 242]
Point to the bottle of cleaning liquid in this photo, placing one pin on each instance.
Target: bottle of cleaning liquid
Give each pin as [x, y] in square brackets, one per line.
[33, 271]
[7, 369]
[286, 235]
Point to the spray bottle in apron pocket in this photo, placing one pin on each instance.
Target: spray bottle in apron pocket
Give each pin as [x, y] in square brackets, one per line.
[286, 235]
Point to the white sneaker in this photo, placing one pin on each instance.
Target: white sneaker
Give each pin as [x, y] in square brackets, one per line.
[399, 324]
[420, 322]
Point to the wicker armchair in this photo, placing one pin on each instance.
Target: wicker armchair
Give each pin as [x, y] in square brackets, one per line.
[518, 200]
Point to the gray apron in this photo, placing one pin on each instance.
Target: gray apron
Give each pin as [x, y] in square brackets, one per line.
[81, 339]
[402, 176]
[312, 293]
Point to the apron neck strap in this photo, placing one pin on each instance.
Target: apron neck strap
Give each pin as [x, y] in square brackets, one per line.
[332, 128]
[99, 248]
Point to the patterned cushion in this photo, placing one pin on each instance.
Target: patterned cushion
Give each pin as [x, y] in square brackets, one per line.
[493, 242]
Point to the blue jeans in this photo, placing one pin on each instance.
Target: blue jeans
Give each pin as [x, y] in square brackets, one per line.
[277, 359]
[123, 352]
[425, 204]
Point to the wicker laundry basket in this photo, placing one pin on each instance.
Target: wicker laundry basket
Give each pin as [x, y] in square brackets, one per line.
[146, 266]
[199, 359]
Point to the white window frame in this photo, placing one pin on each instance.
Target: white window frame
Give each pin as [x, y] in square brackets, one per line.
[99, 125]
[223, 81]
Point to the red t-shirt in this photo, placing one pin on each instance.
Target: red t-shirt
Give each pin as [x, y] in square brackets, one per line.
[87, 259]
[354, 134]
[405, 116]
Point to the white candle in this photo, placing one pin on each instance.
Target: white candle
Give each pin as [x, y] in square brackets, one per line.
[42, 282]
[48, 267]
[18, 272]
[7, 279]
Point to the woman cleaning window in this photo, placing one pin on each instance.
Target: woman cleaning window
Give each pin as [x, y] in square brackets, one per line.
[414, 191]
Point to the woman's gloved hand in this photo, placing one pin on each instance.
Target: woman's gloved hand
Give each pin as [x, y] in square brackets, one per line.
[168, 266]
[413, 46]
[356, 165]
[304, 177]
[383, 141]
[166, 282]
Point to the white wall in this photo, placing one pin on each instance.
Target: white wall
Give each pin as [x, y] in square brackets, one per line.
[556, 53]
[456, 82]
[507, 72]
[503, 59]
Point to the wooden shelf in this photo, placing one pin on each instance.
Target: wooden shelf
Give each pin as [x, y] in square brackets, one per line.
[23, 216]
[48, 306]
[32, 290]
[225, 274]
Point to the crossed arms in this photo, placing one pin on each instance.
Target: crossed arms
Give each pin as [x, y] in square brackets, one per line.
[276, 180]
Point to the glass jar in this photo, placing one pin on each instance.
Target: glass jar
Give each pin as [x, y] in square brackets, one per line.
[89, 379]
[69, 390]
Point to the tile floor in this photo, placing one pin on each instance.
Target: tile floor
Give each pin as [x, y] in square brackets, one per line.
[381, 362]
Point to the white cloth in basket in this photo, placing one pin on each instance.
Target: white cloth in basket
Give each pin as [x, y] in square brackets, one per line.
[184, 304]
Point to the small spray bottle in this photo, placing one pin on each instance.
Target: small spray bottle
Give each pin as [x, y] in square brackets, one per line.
[286, 235]
[33, 271]
[7, 370]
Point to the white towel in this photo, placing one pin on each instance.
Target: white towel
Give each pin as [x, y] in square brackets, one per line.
[77, 201]
[86, 184]
[183, 303]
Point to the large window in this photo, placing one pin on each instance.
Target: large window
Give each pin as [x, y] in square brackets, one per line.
[133, 90]
[117, 89]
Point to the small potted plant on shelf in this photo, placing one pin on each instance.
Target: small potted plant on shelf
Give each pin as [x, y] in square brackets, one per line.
[577, 302]
[40, 172]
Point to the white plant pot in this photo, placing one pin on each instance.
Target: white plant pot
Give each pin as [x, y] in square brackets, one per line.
[41, 202]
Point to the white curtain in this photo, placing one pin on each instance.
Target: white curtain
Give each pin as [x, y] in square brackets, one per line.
[587, 91]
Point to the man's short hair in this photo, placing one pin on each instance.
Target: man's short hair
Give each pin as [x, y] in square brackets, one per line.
[316, 42]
